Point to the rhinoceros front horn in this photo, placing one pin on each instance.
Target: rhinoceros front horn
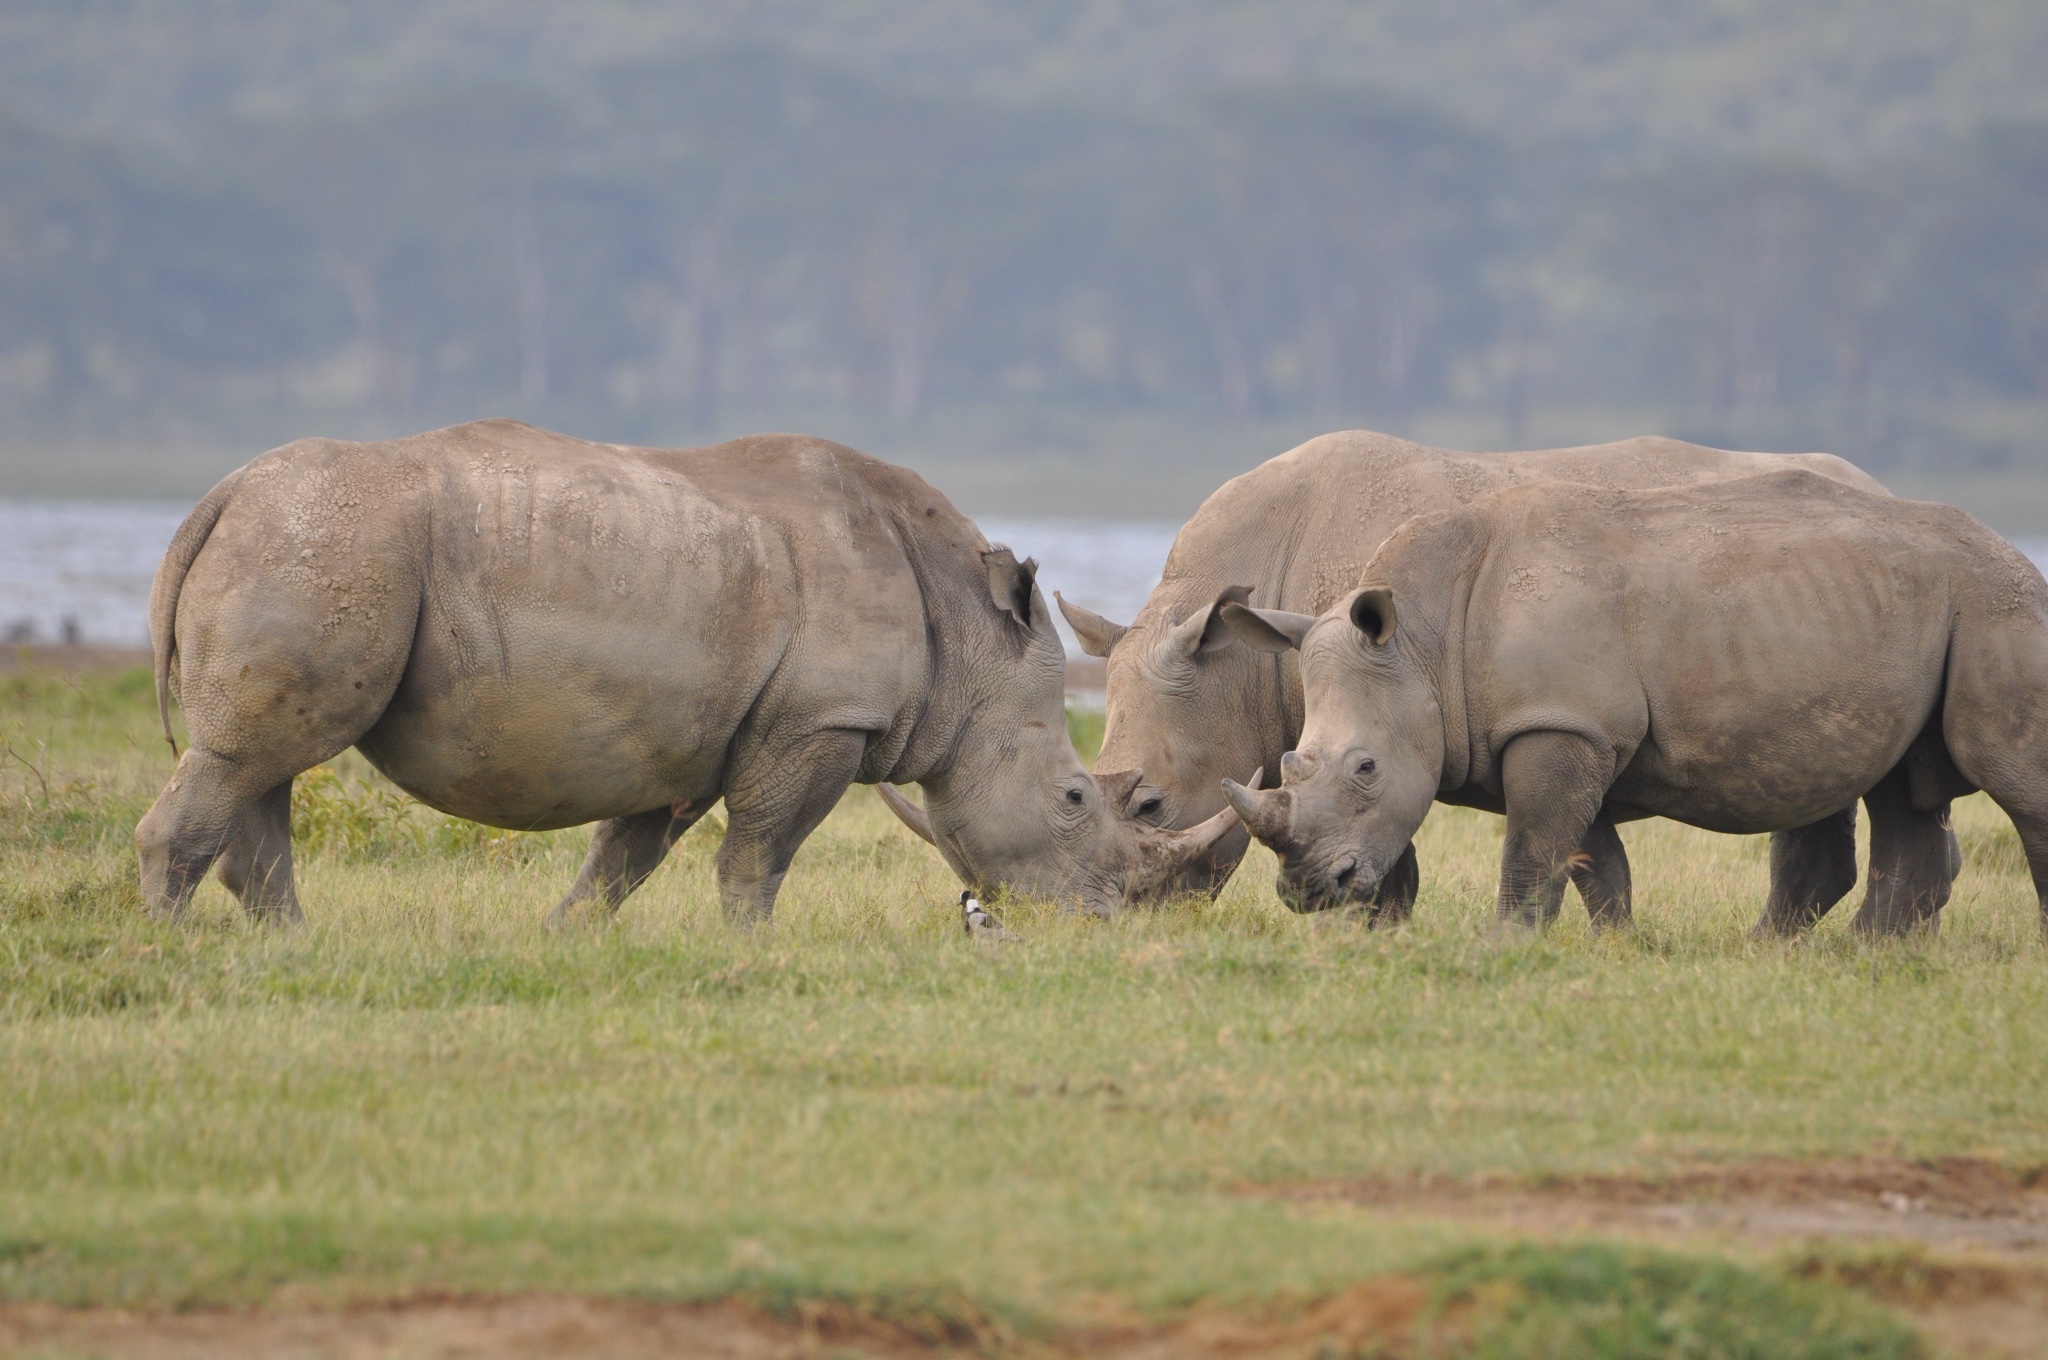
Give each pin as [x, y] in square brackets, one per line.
[1201, 838]
[909, 813]
[1267, 815]
[1162, 855]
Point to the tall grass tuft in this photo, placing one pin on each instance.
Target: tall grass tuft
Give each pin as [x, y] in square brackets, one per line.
[1597, 1302]
[365, 818]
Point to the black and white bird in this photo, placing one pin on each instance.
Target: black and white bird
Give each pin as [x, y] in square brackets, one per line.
[981, 927]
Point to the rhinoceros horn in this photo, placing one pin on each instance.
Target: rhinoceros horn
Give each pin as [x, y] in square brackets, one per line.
[1117, 786]
[1162, 855]
[1267, 815]
[1179, 847]
[908, 812]
[1201, 838]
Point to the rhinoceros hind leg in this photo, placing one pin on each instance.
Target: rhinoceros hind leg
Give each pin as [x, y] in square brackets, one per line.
[1812, 868]
[775, 796]
[218, 810]
[623, 852]
[256, 863]
[1910, 861]
[1600, 872]
[1394, 901]
[1554, 784]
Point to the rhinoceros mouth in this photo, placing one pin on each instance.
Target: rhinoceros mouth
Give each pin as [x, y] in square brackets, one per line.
[1350, 881]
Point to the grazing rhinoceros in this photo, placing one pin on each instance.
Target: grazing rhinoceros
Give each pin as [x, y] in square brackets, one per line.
[1746, 656]
[532, 631]
[1189, 708]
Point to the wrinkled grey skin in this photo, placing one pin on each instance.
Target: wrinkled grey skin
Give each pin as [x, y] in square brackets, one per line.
[1748, 656]
[532, 631]
[1188, 707]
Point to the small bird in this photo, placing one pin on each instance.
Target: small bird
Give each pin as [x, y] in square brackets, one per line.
[981, 927]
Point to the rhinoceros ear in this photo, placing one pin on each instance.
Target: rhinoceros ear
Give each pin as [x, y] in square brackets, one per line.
[1269, 630]
[1204, 630]
[1010, 582]
[1371, 612]
[1118, 786]
[1097, 635]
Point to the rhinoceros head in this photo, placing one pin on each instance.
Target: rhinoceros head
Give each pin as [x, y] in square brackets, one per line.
[1356, 788]
[1015, 809]
[1171, 738]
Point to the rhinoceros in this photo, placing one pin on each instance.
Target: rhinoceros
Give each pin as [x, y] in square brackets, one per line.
[532, 631]
[1745, 656]
[1189, 708]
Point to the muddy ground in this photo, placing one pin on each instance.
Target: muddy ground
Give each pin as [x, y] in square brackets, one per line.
[1955, 1204]
[1959, 1245]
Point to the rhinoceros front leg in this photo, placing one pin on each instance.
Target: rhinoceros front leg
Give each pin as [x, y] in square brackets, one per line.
[1554, 784]
[1911, 861]
[1600, 872]
[623, 852]
[776, 793]
[1812, 868]
[1393, 902]
[256, 864]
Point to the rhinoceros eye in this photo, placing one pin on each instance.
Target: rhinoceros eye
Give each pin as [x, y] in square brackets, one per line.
[1148, 807]
[1367, 765]
[1074, 795]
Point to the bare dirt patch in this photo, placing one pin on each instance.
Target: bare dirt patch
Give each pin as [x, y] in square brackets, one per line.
[1376, 1316]
[521, 1327]
[1959, 1243]
[1955, 1204]
[1972, 1307]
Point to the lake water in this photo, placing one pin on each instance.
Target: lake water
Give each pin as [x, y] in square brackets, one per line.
[88, 564]
[85, 563]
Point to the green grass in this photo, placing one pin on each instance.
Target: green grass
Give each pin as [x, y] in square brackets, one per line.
[421, 1090]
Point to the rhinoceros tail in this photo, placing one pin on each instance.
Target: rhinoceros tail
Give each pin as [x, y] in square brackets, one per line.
[170, 580]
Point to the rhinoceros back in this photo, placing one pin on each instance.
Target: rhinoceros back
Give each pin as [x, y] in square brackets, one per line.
[552, 631]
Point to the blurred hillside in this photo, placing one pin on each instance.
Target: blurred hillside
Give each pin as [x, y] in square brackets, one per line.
[1089, 256]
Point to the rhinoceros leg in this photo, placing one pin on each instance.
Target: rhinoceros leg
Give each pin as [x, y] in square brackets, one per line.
[256, 864]
[1910, 861]
[234, 814]
[1554, 783]
[1812, 868]
[776, 793]
[270, 688]
[186, 829]
[1600, 872]
[1393, 902]
[623, 852]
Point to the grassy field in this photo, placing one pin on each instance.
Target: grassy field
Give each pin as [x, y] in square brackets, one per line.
[421, 1091]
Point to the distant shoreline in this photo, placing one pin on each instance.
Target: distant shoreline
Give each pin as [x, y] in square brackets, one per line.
[41, 656]
[1086, 675]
